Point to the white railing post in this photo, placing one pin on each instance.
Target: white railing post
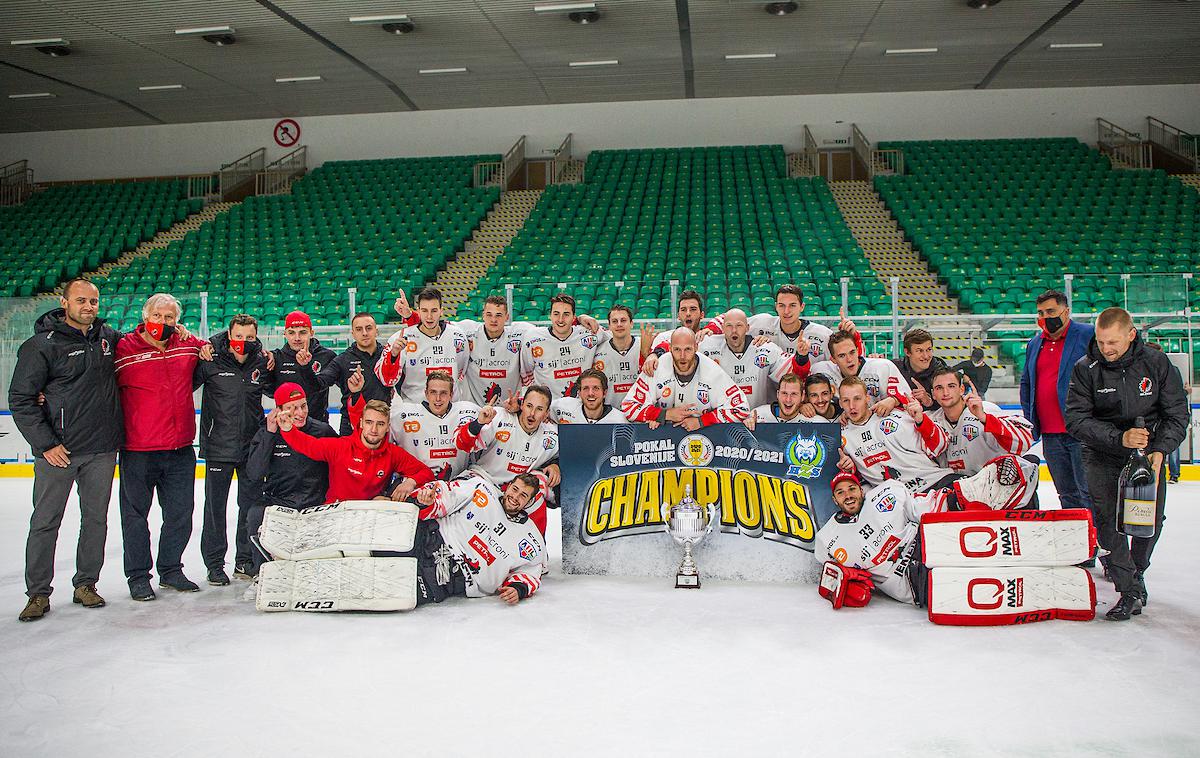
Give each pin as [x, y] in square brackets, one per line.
[352, 296]
[508, 295]
[204, 334]
[895, 314]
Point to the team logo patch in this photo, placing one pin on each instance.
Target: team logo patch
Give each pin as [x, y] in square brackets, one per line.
[412, 427]
[588, 341]
[514, 346]
[702, 396]
[537, 351]
[547, 443]
[696, 450]
[806, 456]
[460, 344]
[598, 365]
[410, 347]
[666, 392]
[840, 555]
[886, 504]
[479, 498]
[254, 375]
[316, 366]
[888, 425]
[503, 435]
[1145, 387]
[970, 431]
[526, 550]
[104, 346]
[761, 360]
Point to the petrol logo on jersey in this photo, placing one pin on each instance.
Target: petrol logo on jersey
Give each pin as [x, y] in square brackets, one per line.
[761, 360]
[481, 548]
[527, 550]
[1145, 387]
[696, 450]
[886, 504]
[888, 425]
[971, 432]
[806, 456]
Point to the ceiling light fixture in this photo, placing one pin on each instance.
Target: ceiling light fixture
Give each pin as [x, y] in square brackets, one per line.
[1075, 45]
[31, 95]
[582, 64]
[458, 70]
[294, 79]
[982, 3]
[55, 47]
[564, 7]
[910, 50]
[393, 24]
[160, 87]
[221, 36]
[780, 9]
[748, 56]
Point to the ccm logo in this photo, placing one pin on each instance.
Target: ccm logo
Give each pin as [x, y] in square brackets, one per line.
[990, 594]
[314, 605]
[1004, 540]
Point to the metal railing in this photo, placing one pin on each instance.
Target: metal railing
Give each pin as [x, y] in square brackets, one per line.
[487, 174]
[876, 161]
[1127, 149]
[562, 157]
[514, 159]
[243, 169]
[277, 176]
[204, 186]
[1174, 139]
[812, 155]
[16, 182]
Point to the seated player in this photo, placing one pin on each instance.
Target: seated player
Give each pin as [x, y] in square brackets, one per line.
[591, 406]
[819, 399]
[871, 542]
[416, 351]
[496, 549]
[786, 328]
[553, 357]
[900, 445]
[755, 367]
[977, 430]
[789, 400]
[883, 380]
[363, 463]
[428, 429]
[689, 391]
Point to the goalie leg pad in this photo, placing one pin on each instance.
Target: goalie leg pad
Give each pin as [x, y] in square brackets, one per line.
[845, 586]
[1000, 596]
[338, 584]
[1007, 538]
[1005, 482]
[346, 529]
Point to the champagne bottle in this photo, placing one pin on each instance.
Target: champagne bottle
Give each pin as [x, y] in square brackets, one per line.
[1137, 488]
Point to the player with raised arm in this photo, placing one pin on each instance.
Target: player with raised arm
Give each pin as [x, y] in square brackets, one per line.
[793, 334]
[689, 391]
[901, 445]
[977, 431]
[428, 429]
[554, 357]
[755, 368]
[360, 358]
[591, 406]
[414, 352]
[881, 377]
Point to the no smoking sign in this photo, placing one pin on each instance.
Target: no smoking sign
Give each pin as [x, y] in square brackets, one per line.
[287, 132]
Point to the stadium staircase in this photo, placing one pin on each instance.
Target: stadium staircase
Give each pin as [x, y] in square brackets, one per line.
[504, 220]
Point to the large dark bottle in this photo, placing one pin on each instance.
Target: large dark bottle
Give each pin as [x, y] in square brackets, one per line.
[1137, 489]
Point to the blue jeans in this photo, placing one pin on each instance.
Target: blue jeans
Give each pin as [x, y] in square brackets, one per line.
[1173, 464]
[1064, 458]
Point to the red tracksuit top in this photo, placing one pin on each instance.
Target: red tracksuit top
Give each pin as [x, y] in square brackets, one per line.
[156, 391]
[357, 472]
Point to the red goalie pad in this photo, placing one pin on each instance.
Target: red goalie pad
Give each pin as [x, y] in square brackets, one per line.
[1000, 596]
[1007, 538]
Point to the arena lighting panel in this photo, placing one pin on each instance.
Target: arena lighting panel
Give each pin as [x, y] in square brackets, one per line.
[910, 51]
[457, 70]
[31, 96]
[295, 79]
[49, 41]
[392, 19]
[584, 64]
[565, 8]
[1075, 45]
[749, 56]
[160, 87]
[202, 30]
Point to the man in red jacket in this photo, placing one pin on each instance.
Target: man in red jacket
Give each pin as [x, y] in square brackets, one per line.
[154, 378]
[361, 464]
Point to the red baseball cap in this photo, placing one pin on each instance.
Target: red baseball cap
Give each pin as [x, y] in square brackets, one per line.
[297, 318]
[842, 476]
[287, 392]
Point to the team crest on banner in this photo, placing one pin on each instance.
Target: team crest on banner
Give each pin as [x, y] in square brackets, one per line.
[695, 450]
[806, 456]
[888, 425]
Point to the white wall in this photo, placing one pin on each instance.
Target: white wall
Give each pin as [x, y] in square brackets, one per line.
[187, 148]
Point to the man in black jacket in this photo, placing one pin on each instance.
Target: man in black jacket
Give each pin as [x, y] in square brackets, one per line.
[230, 413]
[360, 357]
[280, 475]
[74, 433]
[919, 365]
[1117, 381]
[301, 360]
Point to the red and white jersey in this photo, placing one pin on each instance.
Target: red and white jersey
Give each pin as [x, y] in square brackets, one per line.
[768, 324]
[495, 550]
[894, 447]
[422, 355]
[879, 374]
[756, 370]
[973, 441]
[493, 365]
[569, 410]
[879, 538]
[621, 367]
[708, 388]
[431, 438]
[555, 363]
[769, 414]
[506, 449]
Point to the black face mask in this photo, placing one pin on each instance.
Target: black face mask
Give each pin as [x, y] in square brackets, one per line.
[1052, 324]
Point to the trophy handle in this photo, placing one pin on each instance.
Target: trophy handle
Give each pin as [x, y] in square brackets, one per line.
[666, 517]
[714, 515]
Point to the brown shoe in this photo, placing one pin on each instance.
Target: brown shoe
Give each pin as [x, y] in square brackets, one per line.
[86, 596]
[38, 606]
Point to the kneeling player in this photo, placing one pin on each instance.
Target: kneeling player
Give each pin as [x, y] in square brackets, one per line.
[787, 408]
[590, 407]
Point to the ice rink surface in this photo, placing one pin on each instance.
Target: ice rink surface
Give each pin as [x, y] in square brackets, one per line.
[589, 666]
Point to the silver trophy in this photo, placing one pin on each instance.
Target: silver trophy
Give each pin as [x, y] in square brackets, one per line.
[688, 523]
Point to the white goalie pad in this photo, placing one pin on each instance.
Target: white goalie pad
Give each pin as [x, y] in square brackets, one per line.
[338, 584]
[999, 596]
[346, 529]
[1007, 538]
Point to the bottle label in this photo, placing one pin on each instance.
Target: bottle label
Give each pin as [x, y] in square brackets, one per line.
[1139, 512]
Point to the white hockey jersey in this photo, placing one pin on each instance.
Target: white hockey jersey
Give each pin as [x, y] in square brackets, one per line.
[494, 549]
[506, 449]
[569, 410]
[708, 388]
[769, 414]
[756, 370]
[879, 374]
[555, 363]
[431, 438]
[621, 368]
[973, 442]
[493, 365]
[422, 355]
[893, 447]
[767, 324]
[880, 537]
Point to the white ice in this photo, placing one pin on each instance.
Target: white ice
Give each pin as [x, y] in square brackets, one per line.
[589, 666]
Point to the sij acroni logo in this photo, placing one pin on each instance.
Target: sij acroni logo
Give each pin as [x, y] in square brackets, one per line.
[806, 456]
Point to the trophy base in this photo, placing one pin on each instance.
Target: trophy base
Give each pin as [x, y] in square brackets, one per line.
[687, 581]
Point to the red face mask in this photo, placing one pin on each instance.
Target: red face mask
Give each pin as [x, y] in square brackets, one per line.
[158, 331]
[238, 346]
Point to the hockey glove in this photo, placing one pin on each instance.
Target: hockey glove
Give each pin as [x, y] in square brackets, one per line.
[844, 585]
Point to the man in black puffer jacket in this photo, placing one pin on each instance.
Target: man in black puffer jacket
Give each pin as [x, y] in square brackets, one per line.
[1118, 380]
[301, 360]
[74, 433]
[231, 413]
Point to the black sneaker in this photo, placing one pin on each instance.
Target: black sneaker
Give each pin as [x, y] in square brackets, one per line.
[140, 590]
[1129, 605]
[1141, 588]
[178, 582]
[217, 577]
[243, 571]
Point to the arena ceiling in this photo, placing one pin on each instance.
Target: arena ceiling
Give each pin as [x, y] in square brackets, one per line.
[665, 49]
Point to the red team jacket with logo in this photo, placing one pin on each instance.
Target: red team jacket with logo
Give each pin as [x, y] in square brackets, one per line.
[357, 472]
[156, 391]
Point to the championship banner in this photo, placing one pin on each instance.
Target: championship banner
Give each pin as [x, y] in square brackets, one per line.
[771, 486]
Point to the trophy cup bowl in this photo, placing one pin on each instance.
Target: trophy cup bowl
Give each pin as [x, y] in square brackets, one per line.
[689, 523]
